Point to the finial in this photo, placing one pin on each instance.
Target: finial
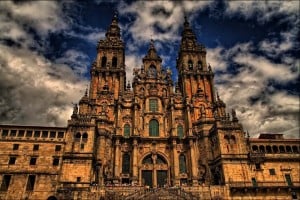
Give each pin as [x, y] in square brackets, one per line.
[115, 15]
[128, 85]
[86, 91]
[218, 97]
[151, 43]
[186, 23]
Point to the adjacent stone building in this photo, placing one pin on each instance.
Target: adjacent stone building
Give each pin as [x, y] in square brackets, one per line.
[122, 140]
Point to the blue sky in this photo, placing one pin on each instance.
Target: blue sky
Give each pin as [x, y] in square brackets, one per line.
[47, 47]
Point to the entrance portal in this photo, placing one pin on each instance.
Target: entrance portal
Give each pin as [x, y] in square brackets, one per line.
[154, 171]
[147, 178]
[162, 177]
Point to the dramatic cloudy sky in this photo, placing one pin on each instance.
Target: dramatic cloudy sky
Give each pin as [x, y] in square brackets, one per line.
[47, 47]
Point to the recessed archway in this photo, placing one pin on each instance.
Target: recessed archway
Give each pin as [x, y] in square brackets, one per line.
[52, 198]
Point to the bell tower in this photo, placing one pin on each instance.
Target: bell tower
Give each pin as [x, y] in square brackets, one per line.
[108, 70]
[195, 75]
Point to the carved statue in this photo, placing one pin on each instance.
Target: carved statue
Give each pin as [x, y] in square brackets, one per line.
[75, 109]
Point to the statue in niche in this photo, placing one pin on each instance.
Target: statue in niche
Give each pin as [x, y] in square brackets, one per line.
[107, 170]
[202, 111]
[75, 109]
[209, 67]
[152, 71]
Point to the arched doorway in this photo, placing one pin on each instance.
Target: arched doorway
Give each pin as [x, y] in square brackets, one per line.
[52, 198]
[154, 171]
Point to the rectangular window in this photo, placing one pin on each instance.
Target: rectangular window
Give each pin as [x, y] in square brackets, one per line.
[44, 134]
[21, 133]
[81, 146]
[12, 160]
[60, 135]
[13, 133]
[5, 182]
[254, 183]
[33, 161]
[15, 146]
[28, 133]
[30, 183]
[288, 179]
[153, 107]
[55, 162]
[4, 133]
[52, 134]
[257, 166]
[272, 171]
[36, 147]
[57, 147]
[78, 179]
[37, 134]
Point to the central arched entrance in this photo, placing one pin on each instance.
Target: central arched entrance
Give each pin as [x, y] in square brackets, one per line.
[154, 171]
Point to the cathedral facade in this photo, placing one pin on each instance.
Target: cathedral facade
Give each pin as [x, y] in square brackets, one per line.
[125, 140]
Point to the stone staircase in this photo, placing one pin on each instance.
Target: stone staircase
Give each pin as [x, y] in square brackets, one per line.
[154, 194]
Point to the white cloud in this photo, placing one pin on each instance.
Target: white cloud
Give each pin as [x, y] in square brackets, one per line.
[262, 10]
[36, 91]
[132, 61]
[259, 106]
[44, 16]
[77, 60]
[167, 15]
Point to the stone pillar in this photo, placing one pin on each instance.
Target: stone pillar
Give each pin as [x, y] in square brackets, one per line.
[117, 158]
[175, 164]
[134, 161]
[193, 163]
[190, 131]
[154, 178]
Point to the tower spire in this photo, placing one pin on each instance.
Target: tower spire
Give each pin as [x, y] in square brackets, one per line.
[114, 29]
[152, 54]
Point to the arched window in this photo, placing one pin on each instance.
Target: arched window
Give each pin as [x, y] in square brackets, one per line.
[148, 160]
[152, 71]
[114, 62]
[255, 148]
[182, 164]
[232, 137]
[281, 149]
[77, 137]
[160, 160]
[295, 149]
[153, 128]
[275, 149]
[226, 137]
[180, 131]
[126, 163]
[126, 130]
[153, 105]
[262, 148]
[103, 61]
[288, 149]
[84, 137]
[268, 149]
[190, 64]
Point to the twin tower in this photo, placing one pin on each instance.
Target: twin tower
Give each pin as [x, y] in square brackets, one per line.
[153, 132]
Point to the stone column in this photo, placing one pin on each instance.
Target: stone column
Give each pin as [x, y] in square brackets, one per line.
[154, 178]
[134, 161]
[175, 164]
[193, 162]
[190, 132]
[117, 158]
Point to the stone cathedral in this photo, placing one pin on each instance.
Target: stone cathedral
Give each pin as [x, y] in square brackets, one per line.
[152, 139]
